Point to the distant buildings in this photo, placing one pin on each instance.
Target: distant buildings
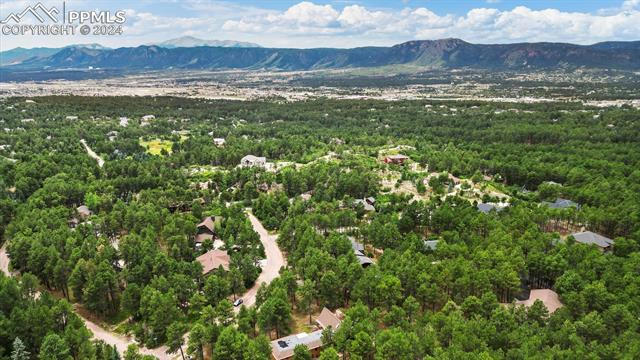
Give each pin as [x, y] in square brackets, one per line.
[83, 211]
[214, 259]
[591, 238]
[253, 161]
[282, 349]
[367, 203]
[431, 244]
[395, 159]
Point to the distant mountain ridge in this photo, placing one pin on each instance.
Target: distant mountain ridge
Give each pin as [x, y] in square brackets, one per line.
[20, 54]
[445, 53]
[190, 41]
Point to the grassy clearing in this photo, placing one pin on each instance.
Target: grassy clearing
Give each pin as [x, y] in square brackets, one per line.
[155, 146]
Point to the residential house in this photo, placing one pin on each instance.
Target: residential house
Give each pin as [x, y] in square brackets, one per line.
[214, 259]
[205, 230]
[486, 207]
[253, 161]
[367, 206]
[84, 211]
[561, 204]
[328, 319]
[395, 159]
[548, 297]
[431, 244]
[219, 141]
[358, 250]
[282, 349]
[591, 238]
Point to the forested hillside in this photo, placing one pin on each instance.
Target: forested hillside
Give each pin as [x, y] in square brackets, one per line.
[443, 276]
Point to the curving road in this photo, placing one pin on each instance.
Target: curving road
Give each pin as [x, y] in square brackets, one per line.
[275, 260]
[92, 153]
[100, 333]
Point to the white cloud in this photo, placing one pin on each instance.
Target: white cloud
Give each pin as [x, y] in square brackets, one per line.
[348, 24]
[630, 4]
[477, 25]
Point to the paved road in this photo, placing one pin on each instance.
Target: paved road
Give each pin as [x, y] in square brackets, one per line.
[100, 333]
[122, 342]
[4, 260]
[275, 260]
[92, 153]
[272, 266]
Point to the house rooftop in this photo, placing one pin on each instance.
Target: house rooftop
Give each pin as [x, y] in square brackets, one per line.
[431, 244]
[328, 318]
[486, 208]
[84, 211]
[366, 205]
[207, 223]
[548, 297]
[588, 237]
[283, 348]
[397, 157]
[562, 204]
[213, 259]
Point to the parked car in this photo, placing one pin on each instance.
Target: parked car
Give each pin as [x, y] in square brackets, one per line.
[238, 302]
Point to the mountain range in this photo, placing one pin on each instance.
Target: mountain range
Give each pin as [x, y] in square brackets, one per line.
[19, 54]
[445, 53]
[190, 41]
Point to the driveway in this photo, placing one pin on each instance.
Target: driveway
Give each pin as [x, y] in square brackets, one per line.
[275, 260]
[122, 342]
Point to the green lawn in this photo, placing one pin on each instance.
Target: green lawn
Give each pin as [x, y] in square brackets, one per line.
[155, 146]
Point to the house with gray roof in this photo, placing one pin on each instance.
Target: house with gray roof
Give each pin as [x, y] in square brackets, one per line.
[591, 238]
[365, 204]
[358, 250]
[431, 244]
[253, 161]
[487, 207]
[561, 204]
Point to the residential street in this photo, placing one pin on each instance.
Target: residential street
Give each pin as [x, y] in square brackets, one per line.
[4, 260]
[275, 260]
[92, 153]
[121, 342]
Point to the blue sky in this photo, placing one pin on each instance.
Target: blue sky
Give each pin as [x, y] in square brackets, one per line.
[350, 23]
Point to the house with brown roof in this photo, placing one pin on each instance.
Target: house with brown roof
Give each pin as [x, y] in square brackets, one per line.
[548, 297]
[214, 259]
[328, 319]
[396, 159]
[205, 230]
[282, 349]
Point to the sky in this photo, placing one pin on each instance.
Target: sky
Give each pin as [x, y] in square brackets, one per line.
[347, 23]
